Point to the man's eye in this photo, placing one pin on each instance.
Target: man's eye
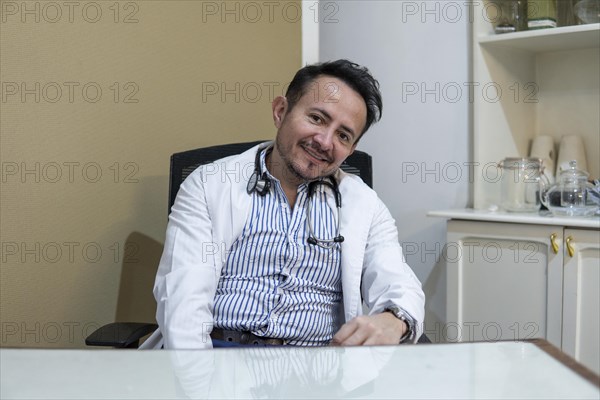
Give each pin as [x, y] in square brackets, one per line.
[344, 136]
[315, 118]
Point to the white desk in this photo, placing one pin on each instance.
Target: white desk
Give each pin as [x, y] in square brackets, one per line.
[466, 370]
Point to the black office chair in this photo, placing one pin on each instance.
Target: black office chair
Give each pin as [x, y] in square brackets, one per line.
[128, 334]
[183, 164]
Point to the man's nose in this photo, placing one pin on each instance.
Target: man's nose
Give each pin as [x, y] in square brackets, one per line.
[325, 139]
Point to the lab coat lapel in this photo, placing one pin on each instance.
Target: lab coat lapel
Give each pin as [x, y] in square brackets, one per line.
[228, 221]
[354, 226]
[243, 167]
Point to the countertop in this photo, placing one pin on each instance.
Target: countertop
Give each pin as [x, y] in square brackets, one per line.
[538, 218]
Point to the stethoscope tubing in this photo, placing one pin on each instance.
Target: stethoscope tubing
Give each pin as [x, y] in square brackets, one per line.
[260, 183]
[312, 238]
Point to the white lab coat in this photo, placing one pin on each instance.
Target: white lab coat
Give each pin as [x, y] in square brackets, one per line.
[208, 216]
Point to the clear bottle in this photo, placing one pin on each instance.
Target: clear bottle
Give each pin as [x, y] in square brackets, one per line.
[541, 14]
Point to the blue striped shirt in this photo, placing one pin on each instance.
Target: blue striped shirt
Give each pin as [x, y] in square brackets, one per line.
[274, 283]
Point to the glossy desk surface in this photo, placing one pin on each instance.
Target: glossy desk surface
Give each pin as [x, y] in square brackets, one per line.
[466, 370]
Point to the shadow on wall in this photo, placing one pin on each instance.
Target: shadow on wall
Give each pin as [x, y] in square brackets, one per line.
[135, 302]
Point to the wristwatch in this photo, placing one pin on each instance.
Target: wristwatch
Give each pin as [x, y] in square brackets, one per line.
[402, 315]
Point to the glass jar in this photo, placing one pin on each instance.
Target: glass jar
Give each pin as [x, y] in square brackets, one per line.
[507, 15]
[587, 11]
[520, 184]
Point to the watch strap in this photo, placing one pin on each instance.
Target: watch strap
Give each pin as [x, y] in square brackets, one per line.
[401, 314]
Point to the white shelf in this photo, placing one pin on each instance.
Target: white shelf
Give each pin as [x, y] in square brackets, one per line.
[547, 40]
[541, 218]
[548, 82]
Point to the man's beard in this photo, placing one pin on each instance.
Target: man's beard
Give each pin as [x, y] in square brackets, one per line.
[293, 168]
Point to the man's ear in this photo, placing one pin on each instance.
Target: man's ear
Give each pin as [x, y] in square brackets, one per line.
[280, 107]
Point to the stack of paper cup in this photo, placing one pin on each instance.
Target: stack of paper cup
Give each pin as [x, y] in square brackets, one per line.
[571, 148]
[543, 148]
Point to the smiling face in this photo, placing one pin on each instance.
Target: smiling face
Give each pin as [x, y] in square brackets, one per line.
[318, 133]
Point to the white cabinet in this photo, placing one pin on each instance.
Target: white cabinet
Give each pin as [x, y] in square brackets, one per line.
[504, 281]
[526, 84]
[581, 302]
[515, 281]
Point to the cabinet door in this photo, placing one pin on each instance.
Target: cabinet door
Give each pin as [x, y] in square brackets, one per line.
[581, 323]
[504, 282]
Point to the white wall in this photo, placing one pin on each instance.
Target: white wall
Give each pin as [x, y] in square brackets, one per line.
[410, 46]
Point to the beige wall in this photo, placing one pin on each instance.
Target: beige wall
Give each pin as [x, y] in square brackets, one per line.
[84, 176]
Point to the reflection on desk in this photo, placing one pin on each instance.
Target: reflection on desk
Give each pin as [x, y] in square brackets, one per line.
[466, 370]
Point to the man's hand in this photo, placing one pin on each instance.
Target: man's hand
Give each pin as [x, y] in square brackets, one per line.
[371, 330]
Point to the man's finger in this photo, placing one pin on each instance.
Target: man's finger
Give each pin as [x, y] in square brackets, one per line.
[344, 333]
[357, 338]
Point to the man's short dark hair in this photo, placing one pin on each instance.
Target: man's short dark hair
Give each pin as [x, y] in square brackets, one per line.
[357, 77]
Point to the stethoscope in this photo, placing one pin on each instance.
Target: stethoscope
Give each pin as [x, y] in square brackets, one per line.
[260, 183]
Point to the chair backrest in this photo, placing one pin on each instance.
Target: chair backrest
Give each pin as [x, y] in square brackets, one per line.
[184, 163]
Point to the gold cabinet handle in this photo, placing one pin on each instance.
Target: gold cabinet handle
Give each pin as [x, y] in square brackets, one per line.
[570, 248]
[554, 243]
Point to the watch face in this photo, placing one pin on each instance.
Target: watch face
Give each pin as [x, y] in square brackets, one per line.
[252, 183]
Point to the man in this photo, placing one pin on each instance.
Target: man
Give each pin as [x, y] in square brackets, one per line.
[263, 261]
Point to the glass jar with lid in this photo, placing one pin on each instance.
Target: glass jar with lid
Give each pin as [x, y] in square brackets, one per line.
[569, 195]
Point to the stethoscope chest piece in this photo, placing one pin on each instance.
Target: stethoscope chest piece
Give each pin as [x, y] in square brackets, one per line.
[252, 183]
[259, 182]
[260, 186]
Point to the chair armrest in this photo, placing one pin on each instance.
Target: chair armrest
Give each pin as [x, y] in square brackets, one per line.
[120, 334]
[423, 339]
